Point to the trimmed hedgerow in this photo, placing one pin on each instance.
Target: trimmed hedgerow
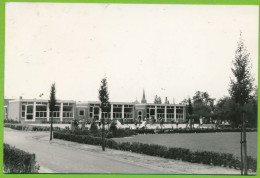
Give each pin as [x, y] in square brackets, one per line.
[203, 157]
[18, 161]
[185, 130]
[29, 127]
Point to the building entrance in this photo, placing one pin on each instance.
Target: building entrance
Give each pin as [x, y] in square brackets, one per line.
[140, 116]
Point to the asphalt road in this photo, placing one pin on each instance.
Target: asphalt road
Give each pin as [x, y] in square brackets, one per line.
[61, 157]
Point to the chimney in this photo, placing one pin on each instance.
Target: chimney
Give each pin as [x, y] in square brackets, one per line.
[21, 97]
[173, 101]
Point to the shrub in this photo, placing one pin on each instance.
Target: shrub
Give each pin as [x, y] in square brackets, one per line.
[93, 126]
[111, 144]
[18, 161]
[135, 147]
[125, 146]
[28, 127]
[252, 163]
[113, 127]
[11, 121]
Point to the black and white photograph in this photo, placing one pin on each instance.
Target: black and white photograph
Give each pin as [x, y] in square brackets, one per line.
[95, 88]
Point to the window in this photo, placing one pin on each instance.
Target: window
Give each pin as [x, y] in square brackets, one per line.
[67, 108]
[128, 110]
[96, 110]
[82, 112]
[57, 108]
[29, 117]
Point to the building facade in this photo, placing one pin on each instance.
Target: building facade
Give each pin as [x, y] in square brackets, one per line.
[37, 110]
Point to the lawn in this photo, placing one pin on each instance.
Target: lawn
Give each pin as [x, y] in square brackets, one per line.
[228, 142]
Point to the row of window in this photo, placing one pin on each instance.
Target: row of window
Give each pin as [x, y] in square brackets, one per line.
[44, 108]
[120, 106]
[160, 115]
[168, 107]
[43, 114]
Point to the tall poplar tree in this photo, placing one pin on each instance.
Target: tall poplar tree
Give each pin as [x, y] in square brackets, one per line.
[52, 103]
[104, 106]
[241, 87]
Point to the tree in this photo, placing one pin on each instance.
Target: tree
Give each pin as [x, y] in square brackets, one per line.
[202, 105]
[93, 126]
[52, 103]
[190, 108]
[157, 100]
[104, 106]
[227, 110]
[184, 101]
[241, 87]
[190, 113]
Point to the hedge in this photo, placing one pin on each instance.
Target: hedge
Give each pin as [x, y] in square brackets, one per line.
[18, 161]
[11, 121]
[196, 130]
[97, 133]
[125, 132]
[204, 157]
[29, 127]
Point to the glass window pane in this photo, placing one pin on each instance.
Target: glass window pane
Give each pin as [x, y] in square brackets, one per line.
[29, 117]
[41, 108]
[30, 109]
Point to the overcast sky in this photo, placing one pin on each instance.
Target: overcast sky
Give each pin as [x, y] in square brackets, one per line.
[168, 50]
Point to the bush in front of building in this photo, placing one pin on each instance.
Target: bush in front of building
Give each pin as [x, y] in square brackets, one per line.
[15, 126]
[18, 161]
[117, 133]
[202, 157]
[93, 126]
[29, 127]
[11, 121]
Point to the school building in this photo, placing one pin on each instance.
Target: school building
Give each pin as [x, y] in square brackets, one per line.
[37, 110]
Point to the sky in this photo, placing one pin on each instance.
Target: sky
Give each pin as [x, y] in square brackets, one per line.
[167, 50]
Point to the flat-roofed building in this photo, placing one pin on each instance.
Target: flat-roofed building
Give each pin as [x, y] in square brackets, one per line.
[37, 110]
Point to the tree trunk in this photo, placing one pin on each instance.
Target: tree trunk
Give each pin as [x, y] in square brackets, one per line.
[241, 151]
[103, 135]
[244, 145]
[51, 125]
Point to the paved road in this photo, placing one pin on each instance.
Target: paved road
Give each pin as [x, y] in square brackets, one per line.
[61, 157]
